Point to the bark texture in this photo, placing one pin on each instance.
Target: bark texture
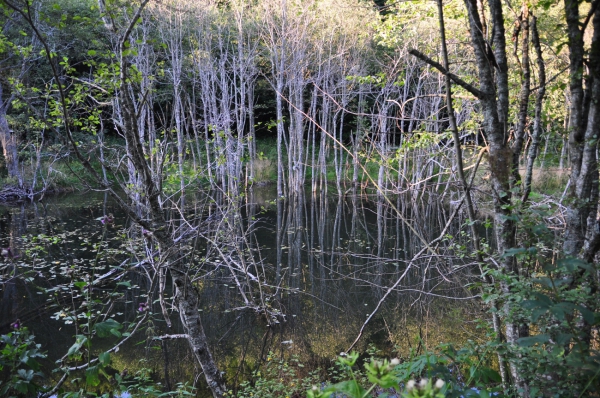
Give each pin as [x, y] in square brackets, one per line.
[537, 122]
[581, 232]
[9, 143]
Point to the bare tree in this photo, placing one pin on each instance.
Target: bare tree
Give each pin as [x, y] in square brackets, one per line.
[154, 219]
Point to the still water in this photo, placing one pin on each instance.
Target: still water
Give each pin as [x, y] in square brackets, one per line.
[326, 262]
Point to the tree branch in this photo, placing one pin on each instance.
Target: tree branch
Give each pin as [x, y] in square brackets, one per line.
[590, 15]
[171, 336]
[476, 92]
[56, 387]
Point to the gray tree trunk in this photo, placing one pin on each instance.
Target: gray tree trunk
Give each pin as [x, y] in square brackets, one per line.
[584, 128]
[9, 142]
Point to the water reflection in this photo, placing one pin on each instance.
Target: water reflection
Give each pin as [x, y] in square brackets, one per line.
[325, 262]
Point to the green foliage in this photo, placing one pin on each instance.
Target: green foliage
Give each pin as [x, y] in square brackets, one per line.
[559, 305]
[279, 378]
[19, 356]
[21, 370]
[555, 301]
[142, 384]
[108, 327]
[456, 374]
[425, 389]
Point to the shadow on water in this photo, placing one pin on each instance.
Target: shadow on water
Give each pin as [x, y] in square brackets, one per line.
[325, 263]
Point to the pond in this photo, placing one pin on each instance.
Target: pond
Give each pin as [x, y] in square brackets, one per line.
[325, 263]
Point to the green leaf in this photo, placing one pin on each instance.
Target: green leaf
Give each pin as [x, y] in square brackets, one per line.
[587, 315]
[33, 364]
[25, 374]
[558, 351]
[514, 251]
[348, 359]
[540, 229]
[549, 266]
[104, 358]
[538, 313]
[21, 387]
[571, 264]
[79, 342]
[91, 376]
[545, 281]
[561, 310]
[544, 299]
[563, 338]
[384, 381]
[530, 341]
[108, 327]
[103, 373]
[532, 304]
[484, 394]
[489, 374]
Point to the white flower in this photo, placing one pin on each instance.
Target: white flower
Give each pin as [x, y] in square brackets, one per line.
[423, 383]
[395, 362]
[315, 388]
[410, 385]
[439, 384]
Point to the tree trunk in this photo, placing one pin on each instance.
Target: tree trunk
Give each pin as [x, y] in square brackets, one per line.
[537, 122]
[492, 67]
[188, 303]
[523, 28]
[8, 140]
[584, 128]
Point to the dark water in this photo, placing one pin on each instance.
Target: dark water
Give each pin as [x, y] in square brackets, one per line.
[325, 262]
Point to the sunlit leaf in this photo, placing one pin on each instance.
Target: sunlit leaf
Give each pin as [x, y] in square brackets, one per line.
[91, 376]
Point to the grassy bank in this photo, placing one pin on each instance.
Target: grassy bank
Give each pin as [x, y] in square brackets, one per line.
[65, 173]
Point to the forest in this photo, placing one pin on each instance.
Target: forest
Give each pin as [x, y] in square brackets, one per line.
[286, 198]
